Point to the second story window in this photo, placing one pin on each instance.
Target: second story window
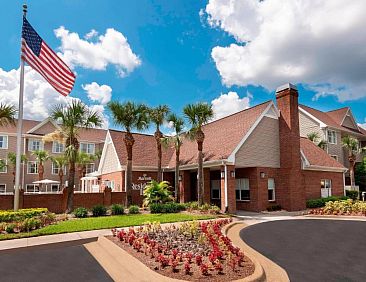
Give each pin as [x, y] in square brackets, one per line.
[90, 168]
[3, 142]
[35, 145]
[32, 167]
[88, 148]
[57, 147]
[332, 137]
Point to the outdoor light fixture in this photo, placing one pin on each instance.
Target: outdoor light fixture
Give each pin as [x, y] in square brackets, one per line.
[222, 174]
[232, 173]
[263, 175]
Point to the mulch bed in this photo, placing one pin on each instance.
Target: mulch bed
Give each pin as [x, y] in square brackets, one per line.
[242, 270]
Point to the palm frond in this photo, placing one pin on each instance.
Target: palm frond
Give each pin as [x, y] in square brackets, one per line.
[7, 114]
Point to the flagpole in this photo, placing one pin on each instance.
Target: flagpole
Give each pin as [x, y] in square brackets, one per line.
[19, 129]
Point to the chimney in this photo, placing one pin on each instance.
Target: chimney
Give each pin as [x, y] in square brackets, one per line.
[291, 178]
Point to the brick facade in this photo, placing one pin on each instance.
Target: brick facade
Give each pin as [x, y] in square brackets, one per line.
[312, 183]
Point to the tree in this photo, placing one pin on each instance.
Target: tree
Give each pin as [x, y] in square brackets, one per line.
[157, 116]
[198, 115]
[157, 192]
[353, 148]
[60, 162]
[71, 117]
[314, 137]
[41, 157]
[12, 157]
[176, 142]
[130, 116]
[7, 114]
[82, 160]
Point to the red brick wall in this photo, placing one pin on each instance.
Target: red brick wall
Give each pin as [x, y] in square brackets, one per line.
[312, 183]
[6, 202]
[53, 202]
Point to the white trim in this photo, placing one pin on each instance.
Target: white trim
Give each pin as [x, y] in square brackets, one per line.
[350, 114]
[225, 188]
[307, 163]
[324, 168]
[207, 164]
[336, 136]
[45, 121]
[344, 183]
[7, 141]
[87, 146]
[321, 124]
[28, 167]
[5, 189]
[231, 157]
[108, 140]
[41, 144]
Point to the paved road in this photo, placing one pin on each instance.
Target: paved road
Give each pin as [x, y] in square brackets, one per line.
[57, 262]
[313, 250]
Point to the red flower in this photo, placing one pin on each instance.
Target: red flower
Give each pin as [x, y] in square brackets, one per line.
[204, 269]
[198, 260]
[187, 268]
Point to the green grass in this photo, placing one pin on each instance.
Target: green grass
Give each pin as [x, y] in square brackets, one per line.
[105, 222]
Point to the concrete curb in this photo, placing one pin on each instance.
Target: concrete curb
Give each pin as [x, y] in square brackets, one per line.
[265, 269]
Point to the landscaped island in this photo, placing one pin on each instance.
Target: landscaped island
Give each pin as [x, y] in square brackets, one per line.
[193, 251]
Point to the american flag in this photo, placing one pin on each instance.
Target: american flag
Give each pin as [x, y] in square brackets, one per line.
[37, 54]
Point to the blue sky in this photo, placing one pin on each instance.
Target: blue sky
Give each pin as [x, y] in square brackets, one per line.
[173, 42]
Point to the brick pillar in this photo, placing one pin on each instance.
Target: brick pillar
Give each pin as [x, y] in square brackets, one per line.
[291, 193]
[185, 186]
[231, 184]
[107, 197]
[21, 199]
[206, 186]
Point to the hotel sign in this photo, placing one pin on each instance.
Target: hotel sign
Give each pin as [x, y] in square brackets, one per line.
[141, 186]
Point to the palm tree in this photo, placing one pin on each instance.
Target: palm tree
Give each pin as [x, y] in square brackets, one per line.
[157, 116]
[60, 162]
[175, 141]
[12, 160]
[7, 114]
[198, 115]
[82, 160]
[130, 116]
[353, 148]
[71, 118]
[41, 157]
[314, 137]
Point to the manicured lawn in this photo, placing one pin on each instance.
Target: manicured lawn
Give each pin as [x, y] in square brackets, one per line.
[93, 223]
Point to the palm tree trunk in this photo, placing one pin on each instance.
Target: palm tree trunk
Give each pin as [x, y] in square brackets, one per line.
[352, 174]
[61, 176]
[177, 188]
[200, 175]
[129, 141]
[40, 171]
[158, 135]
[70, 188]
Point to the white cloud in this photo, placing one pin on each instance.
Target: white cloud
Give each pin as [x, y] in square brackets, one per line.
[39, 96]
[99, 93]
[317, 43]
[229, 103]
[91, 34]
[363, 125]
[101, 110]
[111, 48]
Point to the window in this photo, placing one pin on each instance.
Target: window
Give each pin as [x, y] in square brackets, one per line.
[35, 145]
[55, 187]
[242, 191]
[3, 166]
[32, 167]
[2, 188]
[215, 189]
[334, 157]
[326, 188]
[31, 188]
[3, 142]
[271, 189]
[90, 168]
[332, 137]
[88, 148]
[55, 169]
[57, 147]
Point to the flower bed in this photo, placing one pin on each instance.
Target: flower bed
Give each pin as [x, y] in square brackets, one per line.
[25, 220]
[346, 207]
[193, 251]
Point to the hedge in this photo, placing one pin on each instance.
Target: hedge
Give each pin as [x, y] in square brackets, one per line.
[318, 203]
[10, 216]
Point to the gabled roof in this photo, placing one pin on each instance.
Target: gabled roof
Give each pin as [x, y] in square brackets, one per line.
[144, 152]
[317, 157]
[333, 119]
[43, 123]
[222, 136]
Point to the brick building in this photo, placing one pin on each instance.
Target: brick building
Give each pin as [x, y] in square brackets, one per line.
[252, 159]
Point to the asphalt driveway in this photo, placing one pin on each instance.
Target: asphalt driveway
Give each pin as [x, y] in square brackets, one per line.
[55, 262]
[313, 250]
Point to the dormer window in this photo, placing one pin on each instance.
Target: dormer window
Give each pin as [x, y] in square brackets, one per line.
[332, 137]
[35, 145]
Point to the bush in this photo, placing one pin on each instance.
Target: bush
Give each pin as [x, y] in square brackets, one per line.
[166, 208]
[345, 207]
[191, 205]
[352, 194]
[157, 192]
[275, 207]
[10, 228]
[99, 210]
[9, 216]
[117, 209]
[133, 209]
[318, 203]
[30, 224]
[81, 212]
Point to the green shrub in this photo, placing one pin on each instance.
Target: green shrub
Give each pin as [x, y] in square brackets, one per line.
[214, 209]
[191, 205]
[318, 203]
[352, 194]
[133, 209]
[117, 209]
[99, 210]
[274, 207]
[81, 212]
[345, 207]
[157, 192]
[9, 216]
[30, 224]
[10, 228]
[166, 208]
